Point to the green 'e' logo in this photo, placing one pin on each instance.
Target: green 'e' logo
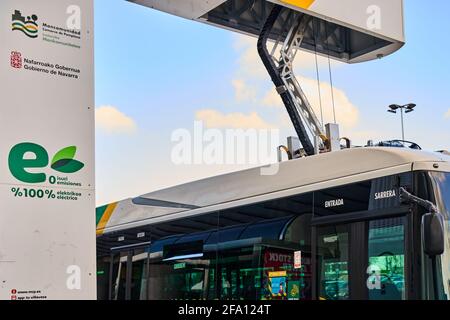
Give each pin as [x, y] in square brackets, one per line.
[28, 155]
[18, 164]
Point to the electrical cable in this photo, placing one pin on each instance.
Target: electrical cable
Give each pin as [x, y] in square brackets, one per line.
[329, 69]
[317, 73]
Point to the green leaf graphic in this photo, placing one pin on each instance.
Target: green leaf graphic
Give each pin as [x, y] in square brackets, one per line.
[64, 154]
[68, 166]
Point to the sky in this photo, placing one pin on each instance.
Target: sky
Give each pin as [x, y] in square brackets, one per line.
[157, 74]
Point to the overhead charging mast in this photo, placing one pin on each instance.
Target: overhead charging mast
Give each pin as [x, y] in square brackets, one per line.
[347, 30]
[281, 71]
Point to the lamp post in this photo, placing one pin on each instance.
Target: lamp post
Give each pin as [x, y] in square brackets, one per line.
[407, 108]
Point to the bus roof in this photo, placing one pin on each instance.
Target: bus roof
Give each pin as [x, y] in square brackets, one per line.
[259, 184]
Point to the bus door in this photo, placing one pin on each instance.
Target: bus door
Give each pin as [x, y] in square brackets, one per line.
[361, 260]
[128, 274]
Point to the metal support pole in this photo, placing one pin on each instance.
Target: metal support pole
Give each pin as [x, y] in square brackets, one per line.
[317, 143]
[403, 130]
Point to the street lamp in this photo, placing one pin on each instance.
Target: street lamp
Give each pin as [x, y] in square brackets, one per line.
[407, 108]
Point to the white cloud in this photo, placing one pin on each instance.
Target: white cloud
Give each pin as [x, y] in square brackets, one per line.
[216, 119]
[249, 62]
[447, 115]
[243, 92]
[112, 121]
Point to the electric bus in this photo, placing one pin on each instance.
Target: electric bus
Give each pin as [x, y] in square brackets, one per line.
[369, 223]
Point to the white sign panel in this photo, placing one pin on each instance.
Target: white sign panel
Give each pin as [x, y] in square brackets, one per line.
[47, 205]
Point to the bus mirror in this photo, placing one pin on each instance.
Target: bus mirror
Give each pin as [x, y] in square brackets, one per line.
[433, 234]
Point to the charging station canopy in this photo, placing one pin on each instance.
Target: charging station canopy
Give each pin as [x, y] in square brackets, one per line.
[347, 30]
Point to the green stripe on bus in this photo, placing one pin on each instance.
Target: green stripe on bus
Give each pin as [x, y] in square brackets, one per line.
[99, 213]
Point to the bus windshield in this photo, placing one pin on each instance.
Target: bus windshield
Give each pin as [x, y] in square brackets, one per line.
[441, 181]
